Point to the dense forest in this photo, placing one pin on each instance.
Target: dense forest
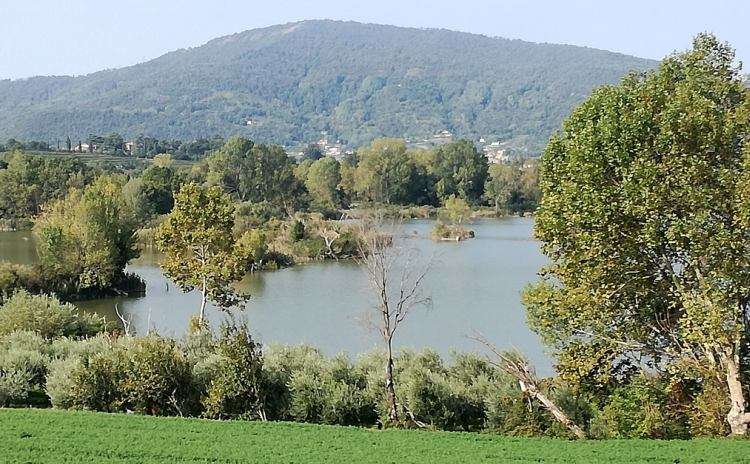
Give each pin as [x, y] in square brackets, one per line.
[358, 82]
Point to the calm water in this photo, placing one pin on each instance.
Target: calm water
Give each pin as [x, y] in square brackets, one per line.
[474, 285]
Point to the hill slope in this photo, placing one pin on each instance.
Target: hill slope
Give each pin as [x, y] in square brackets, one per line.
[357, 81]
[50, 436]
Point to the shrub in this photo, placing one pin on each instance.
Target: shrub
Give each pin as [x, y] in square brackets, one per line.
[47, 316]
[296, 231]
[89, 382]
[441, 397]
[708, 412]
[15, 277]
[331, 391]
[66, 382]
[238, 388]
[23, 367]
[157, 377]
[639, 409]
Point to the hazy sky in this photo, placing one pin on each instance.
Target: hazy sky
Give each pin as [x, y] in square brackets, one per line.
[42, 37]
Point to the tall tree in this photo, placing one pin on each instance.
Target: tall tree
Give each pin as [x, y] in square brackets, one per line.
[645, 216]
[385, 173]
[200, 249]
[460, 170]
[503, 182]
[322, 182]
[255, 172]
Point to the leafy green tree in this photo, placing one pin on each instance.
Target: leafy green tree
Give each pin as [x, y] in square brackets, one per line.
[225, 165]
[385, 172]
[503, 182]
[85, 240]
[30, 181]
[255, 173]
[323, 181]
[645, 215]
[200, 249]
[460, 170]
[302, 169]
[158, 185]
[239, 385]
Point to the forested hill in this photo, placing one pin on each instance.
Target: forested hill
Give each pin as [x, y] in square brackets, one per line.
[356, 81]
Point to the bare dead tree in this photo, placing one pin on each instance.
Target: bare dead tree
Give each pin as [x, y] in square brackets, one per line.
[396, 275]
[127, 323]
[514, 364]
[329, 236]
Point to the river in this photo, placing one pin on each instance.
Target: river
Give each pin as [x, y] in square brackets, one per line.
[474, 285]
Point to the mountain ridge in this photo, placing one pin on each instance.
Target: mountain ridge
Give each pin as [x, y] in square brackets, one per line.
[357, 81]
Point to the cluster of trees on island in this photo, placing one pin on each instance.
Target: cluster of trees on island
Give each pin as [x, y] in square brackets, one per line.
[644, 214]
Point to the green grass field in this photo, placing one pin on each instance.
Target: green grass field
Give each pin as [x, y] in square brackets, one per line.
[49, 436]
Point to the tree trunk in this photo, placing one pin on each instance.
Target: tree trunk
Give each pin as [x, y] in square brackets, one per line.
[550, 406]
[737, 417]
[390, 388]
[202, 314]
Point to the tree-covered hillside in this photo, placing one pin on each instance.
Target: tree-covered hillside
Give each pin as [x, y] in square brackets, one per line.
[357, 81]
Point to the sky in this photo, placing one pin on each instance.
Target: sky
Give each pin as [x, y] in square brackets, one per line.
[72, 37]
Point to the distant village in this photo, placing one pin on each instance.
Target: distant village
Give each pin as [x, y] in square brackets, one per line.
[496, 152]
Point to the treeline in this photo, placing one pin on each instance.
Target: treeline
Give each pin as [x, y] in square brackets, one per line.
[115, 144]
[385, 172]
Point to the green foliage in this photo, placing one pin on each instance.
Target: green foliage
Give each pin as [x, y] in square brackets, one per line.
[294, 80]
[322, 182]
[23, 367]
[513, 187]
[312, 152]
[154, 190]
[640, 409]
[46, 316]
[447, 399]
[385, 173]
[255, 172]
[460, 170]
[200, 249]
[708, 411]
[644, 215]
[330, 391]
[238, 386]
[93, 382]
[456, 210]
[157, 377]
[85, 240]
[296, 230]
[14, 277]
[28, 182]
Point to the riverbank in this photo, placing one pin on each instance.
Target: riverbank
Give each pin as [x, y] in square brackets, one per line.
[401, 212]
[51, 436]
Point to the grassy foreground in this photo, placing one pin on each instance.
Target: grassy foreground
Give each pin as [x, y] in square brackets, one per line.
[41, 436]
